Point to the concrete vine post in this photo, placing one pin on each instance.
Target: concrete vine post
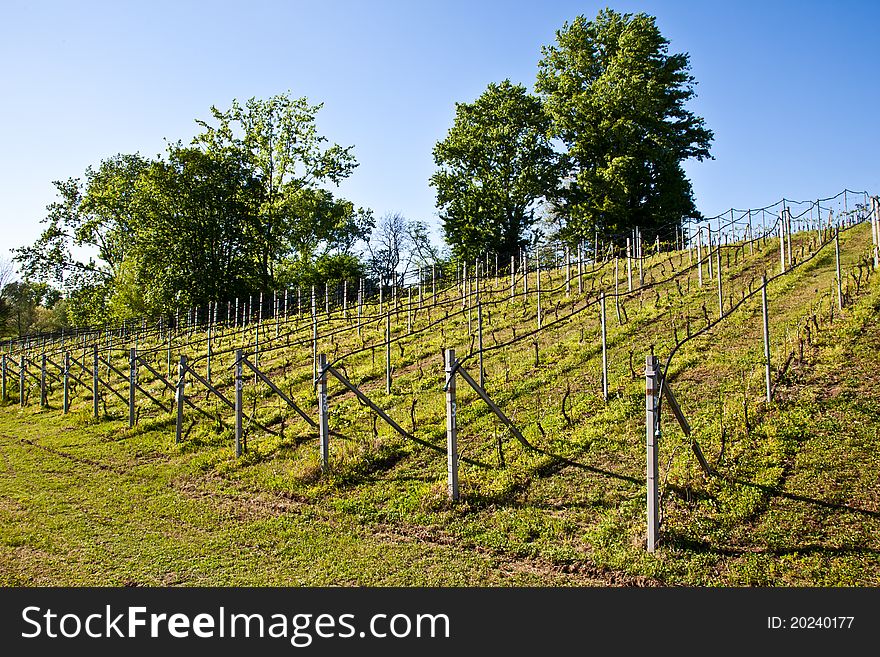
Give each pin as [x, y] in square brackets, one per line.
[95, 379]
[323, 414]
[132, 382]
[604, 347]
[837, 268]
[451, 428]
[181, 392]
[66, 383]
[765, 317]
[652, 437]
[44, 401]
[238, 401]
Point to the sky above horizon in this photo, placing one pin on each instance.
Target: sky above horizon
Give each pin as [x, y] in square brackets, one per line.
[789, 88]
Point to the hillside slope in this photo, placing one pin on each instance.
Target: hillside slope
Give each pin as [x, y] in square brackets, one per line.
[794, 500]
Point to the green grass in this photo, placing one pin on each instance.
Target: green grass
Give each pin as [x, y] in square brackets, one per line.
[795, 502]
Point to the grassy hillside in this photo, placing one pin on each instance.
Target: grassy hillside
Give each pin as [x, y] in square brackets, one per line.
[794, 500]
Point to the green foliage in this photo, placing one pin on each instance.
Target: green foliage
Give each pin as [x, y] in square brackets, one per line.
[277, 142]
[494, 165]
[28, 307]
[220, 218]
[617, 101]
[326, 268]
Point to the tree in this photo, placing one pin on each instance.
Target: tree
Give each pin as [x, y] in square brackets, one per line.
[617, 101]
[494, 165]
[397, 247]
[277, 141]
[30, 307]
[95, 217]
[196, 239]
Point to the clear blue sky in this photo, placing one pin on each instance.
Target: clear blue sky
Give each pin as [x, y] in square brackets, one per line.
[790, 88]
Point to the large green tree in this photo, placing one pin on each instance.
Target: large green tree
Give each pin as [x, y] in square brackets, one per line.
[195, 242]
[88, 234]
[617, 99]
[277, 141]
[234, 212]
[495, 164]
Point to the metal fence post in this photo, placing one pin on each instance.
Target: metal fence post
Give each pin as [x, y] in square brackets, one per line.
[238, 401]
[451, 427]
[181, 382]
[652, 435]
[323, 414]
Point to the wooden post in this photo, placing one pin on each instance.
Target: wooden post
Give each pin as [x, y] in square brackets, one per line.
[132, 382]
[766, 338]
[21, 372]
[239, 406]
[388, 353]
[44, 402]
[323, 413]
[837, 267]
[95, 379]
[451, 428]
[3, 377]
[181, 382]
[652, 436]
[604, 347]
[66, 383]
[345, 299]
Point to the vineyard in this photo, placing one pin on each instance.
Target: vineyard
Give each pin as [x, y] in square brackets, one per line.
[500, 409]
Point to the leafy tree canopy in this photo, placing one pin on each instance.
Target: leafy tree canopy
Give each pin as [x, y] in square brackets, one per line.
[617, 101]
[494, 165]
